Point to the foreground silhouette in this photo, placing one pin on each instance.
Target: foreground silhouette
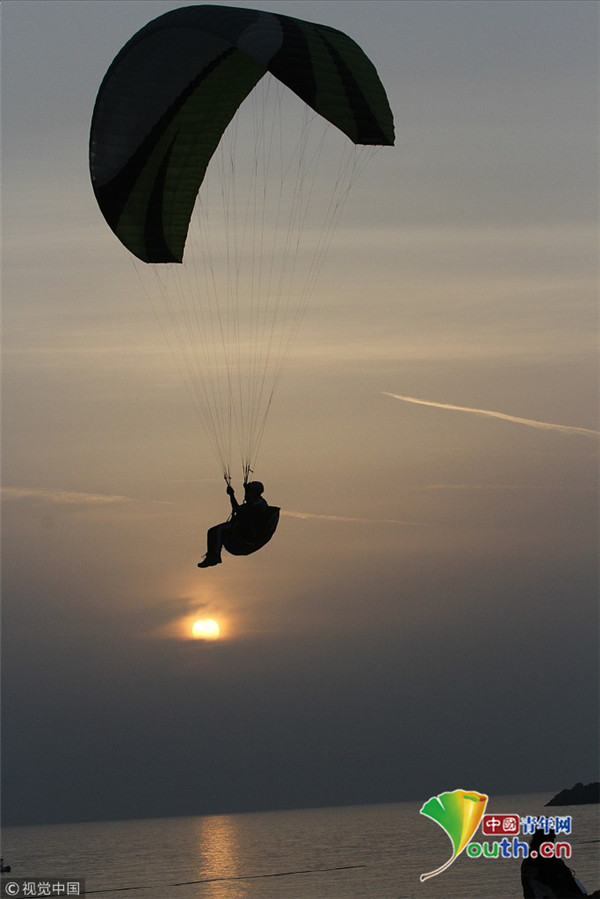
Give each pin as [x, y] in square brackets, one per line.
[548, 877]
[250, 527]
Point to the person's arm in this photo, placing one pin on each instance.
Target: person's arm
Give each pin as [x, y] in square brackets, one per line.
[231, 494]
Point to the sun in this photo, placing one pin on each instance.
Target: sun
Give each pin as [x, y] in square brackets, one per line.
[206, 629]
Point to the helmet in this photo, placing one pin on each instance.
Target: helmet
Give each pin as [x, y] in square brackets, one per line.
[254, 487]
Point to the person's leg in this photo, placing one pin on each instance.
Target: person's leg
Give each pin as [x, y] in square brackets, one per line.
[214, 544]
[214, 541]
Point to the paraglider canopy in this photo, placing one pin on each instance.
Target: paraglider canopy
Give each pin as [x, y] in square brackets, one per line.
[171, 92]
[270, 199]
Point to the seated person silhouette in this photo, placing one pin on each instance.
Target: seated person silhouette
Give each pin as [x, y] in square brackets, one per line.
[547, 877]
[252, 524]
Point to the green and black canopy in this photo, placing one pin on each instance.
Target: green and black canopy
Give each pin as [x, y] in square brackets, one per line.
[171, 92]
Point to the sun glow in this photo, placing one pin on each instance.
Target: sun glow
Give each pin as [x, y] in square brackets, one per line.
[206, 629]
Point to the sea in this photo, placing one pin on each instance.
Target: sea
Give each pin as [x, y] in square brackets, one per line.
[357, 852]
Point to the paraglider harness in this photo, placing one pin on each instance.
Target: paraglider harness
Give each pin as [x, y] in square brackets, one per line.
[246, 537]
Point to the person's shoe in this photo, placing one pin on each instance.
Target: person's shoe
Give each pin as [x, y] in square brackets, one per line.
[209, 561]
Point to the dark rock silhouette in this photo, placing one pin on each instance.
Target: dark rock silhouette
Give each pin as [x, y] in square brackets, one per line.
[580, 794]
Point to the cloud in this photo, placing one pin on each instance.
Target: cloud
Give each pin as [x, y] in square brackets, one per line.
[530, 422]
[311, 515]
[66, 497]
[500, 487]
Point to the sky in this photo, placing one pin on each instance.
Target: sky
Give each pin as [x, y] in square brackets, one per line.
[426, 616]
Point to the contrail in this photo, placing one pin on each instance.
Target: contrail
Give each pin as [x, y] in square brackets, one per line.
[312, 515]
[530, 422]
